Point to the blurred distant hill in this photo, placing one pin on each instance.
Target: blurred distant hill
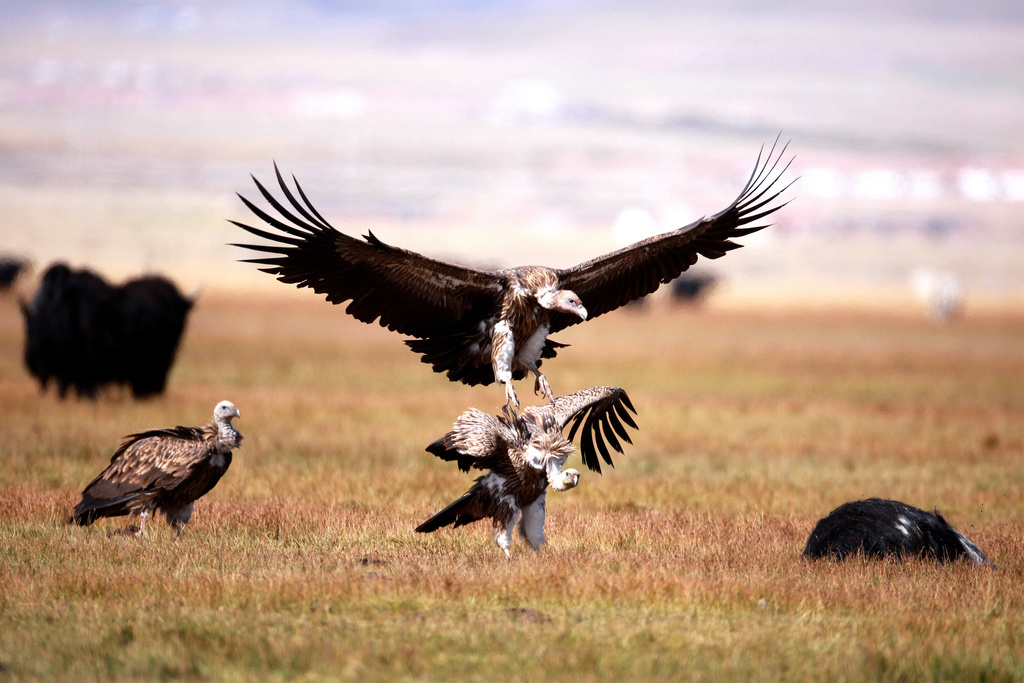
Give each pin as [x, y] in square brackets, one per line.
[499, 132]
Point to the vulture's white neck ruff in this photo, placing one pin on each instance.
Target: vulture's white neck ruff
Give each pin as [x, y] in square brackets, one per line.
[226, 432]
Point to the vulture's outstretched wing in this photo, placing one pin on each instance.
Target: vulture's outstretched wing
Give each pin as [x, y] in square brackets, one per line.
[410, 293]
[475, 438]
[147, 462]
[613, 280]
[601, 411]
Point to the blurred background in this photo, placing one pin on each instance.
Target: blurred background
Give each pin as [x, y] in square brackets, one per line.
[503, 133]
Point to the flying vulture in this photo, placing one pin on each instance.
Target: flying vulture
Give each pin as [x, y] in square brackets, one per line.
[476, 325]
[162, 469]
[883, 528]
[523, 454]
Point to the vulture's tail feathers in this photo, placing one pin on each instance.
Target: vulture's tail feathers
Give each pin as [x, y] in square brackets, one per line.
[462, 511]
[448, 354]
[91, 509]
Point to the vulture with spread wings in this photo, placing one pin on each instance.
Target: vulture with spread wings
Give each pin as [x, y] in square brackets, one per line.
[524, 453]
[479, 326]
[162, 469]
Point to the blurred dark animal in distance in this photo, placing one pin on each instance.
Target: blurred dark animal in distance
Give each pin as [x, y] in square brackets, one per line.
[83, 333]
[11, 268]
[884, 528]
[691, 288]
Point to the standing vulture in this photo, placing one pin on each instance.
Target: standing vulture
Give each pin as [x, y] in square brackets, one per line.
[524, 454]
[477, 325]
[162, 469]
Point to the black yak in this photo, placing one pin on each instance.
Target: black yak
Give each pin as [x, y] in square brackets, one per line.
[84, 333]
[152, 318]
[11, 268]
[882, 528]
[692, 287]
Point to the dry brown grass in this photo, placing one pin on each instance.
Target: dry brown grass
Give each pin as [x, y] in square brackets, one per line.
[682, 562]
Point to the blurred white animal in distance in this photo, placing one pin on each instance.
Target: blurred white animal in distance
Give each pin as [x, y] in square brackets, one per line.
[942, 291]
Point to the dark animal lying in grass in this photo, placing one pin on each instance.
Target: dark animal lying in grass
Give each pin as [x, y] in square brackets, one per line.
[880, 528]
[83, 333]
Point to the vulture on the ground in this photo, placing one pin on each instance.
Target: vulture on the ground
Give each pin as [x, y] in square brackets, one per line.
[162, 469]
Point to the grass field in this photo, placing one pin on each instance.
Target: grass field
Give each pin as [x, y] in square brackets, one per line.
[682, 562]
[123, 136]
